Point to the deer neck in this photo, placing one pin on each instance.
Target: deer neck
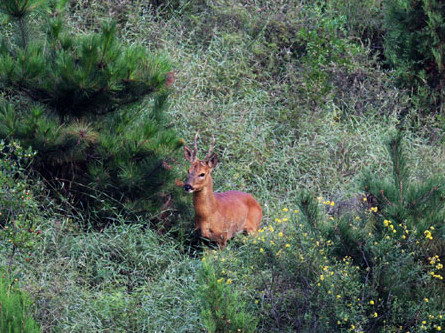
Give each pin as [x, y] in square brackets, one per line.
[204, 201]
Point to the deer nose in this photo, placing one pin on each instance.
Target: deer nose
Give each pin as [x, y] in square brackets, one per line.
[188, 188]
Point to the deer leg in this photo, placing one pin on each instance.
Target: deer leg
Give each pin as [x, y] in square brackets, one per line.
[222, 242]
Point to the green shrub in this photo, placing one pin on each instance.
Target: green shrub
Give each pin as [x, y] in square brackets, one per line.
[72, 99]
[418, 205]
[15, 309]
[414, 45]
[222, 308]
[19, 210]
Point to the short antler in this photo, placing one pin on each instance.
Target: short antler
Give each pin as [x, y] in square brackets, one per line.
[195, 146]
[210, 149]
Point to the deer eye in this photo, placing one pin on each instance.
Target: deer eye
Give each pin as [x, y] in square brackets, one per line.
[202, 175]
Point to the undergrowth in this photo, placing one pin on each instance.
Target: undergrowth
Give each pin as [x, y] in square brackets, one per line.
[298, 99]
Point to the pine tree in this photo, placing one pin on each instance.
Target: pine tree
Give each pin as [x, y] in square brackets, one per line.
[419, 205]
[415, 46]
[90, 105]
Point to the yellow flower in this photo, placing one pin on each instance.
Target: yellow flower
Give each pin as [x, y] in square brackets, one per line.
[371, 302]
[287, 245]
[439, 328]
[261, 250]
[332, 203]
[229, 281]
[280, 234]
[321, 277]
[296, 211]
[220, 280]
[386, 222]
[426, 300]
[285, 210]
[375, 315]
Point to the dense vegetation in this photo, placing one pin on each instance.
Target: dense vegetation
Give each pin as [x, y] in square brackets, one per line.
[329, 112]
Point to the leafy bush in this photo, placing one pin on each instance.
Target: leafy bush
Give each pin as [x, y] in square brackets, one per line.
[19, 210]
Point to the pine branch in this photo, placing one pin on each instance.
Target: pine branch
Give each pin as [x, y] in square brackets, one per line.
[382, 192]
[425, 196]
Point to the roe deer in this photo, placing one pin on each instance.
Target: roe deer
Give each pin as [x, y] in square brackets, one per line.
[218, 216]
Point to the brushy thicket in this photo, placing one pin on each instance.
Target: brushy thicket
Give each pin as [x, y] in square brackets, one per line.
[303, 105]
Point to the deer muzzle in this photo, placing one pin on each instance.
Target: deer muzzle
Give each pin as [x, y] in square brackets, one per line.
[188, 188]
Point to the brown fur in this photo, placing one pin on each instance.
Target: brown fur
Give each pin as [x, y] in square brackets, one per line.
[219, 216]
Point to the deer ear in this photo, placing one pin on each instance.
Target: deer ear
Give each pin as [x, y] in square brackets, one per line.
[188, 154]
[212, 161]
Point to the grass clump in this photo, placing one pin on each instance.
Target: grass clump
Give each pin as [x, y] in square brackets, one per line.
[15, 309]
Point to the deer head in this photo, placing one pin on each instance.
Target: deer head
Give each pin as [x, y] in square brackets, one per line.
[198, 175]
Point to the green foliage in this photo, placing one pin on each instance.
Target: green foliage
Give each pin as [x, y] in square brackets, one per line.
[73, 101]
[15, 309]
[222, 308]
[250, 73]
[123, 278]
[414, 45]
[351, 273]
[417, 204]
[364, 19]
[19, 210]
